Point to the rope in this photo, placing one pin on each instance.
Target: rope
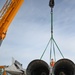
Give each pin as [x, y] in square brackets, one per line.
[54, 52]
[58, 48]
[50, 49]
[45, 50]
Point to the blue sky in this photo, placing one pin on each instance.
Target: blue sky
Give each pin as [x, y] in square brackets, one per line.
[29, 32]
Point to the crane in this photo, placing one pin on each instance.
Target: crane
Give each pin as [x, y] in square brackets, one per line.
[7, 13]
[63, 66]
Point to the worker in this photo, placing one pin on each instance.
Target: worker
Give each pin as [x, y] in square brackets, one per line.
[52, 63]
[51, 66]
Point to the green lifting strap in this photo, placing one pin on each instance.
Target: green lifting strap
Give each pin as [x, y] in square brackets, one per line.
[52, 41]
[45, 49]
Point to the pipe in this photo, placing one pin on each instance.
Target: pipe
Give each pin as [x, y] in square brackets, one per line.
[37, 67]
[64, 67]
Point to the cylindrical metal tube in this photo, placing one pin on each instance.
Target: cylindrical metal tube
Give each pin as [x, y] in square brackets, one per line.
[37, 67]
[64, 67]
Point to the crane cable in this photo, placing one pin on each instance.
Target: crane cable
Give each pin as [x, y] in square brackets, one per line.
[52, 47]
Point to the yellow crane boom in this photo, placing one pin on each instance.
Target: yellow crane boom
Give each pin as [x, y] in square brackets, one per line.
[7, 13]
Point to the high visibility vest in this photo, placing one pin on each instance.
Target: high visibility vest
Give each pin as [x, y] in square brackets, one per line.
[52, 63]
